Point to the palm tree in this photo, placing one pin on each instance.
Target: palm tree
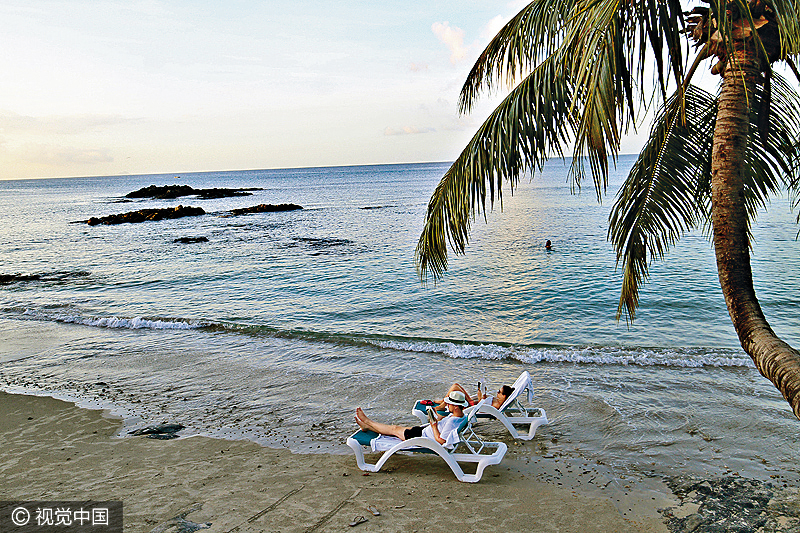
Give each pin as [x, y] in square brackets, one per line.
[587, 70]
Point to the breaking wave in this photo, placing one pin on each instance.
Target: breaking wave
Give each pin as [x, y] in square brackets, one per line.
[598, 355]
[685, 357]
[116, 322]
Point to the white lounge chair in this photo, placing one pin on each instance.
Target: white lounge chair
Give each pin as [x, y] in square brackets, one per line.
[472, 446]
[511, 413]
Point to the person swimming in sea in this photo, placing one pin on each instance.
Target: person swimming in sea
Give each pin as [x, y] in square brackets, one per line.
[548, 246]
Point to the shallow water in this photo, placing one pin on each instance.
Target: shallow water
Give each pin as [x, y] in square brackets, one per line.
[282, 323]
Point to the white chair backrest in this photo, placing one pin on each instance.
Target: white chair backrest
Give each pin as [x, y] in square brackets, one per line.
[523, 382]
[473, 415]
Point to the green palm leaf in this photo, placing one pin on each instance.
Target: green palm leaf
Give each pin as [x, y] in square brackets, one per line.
[593, 39]
[532, 35]
[771, 162]
[579, 92]
[666, 192]
[775, 163]
[668, 189]
[788, 19]
[517, 136]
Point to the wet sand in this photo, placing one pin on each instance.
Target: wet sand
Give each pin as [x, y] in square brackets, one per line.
[53, 450]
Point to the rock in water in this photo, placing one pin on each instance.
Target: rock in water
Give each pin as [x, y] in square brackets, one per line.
[266, 208]
[210, 194]
[11, 278]
[162, 436]
[170, 192]
[167, 192]
[148, 214]
[189, 240]
[161, 431]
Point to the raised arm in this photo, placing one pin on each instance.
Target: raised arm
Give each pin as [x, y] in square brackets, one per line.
[436, 435]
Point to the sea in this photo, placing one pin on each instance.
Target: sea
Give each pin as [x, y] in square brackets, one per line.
[279, 325]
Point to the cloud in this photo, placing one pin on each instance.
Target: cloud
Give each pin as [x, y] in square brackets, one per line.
[44, 154]
[491, 28]
[408, 130]
[417, 67]
[54, 124]
[453, 38]
[517, 5]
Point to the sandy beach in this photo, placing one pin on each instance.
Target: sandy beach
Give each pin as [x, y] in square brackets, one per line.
[54, 450]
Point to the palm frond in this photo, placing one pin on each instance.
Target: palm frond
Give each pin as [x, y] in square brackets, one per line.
[662, 31]
[605, 73]
[775, 163]
[540, 29]
[532, 35]
[600, 102]
[771, 160]
[666, 192]
[788, 18]
[668, 189]
[531, 122]
[581, 90]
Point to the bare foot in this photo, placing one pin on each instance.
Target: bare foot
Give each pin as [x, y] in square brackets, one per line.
[361, 418]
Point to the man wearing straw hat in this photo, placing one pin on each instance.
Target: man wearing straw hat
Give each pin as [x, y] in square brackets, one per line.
[443, 430]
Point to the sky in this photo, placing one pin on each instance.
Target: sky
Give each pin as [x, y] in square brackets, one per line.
[97, 88]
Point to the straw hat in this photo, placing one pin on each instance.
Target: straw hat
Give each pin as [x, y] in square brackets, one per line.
[456, 397]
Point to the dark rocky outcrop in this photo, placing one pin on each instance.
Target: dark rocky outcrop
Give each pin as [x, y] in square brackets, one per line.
[11, 278]
[60, 275]
[265, 208]
[731, 503]
[190, 240]
[148, 214]
[167, 192]
[161, 431]
[170, 192]
[324, 242]
[209, 194]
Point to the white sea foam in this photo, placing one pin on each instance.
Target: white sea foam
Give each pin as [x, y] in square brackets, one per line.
[115, 322]
[602, 355]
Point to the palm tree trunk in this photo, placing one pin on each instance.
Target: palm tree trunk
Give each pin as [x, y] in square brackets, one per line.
[776, 360]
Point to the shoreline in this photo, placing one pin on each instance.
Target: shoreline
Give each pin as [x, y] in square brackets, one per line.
[55, 450]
